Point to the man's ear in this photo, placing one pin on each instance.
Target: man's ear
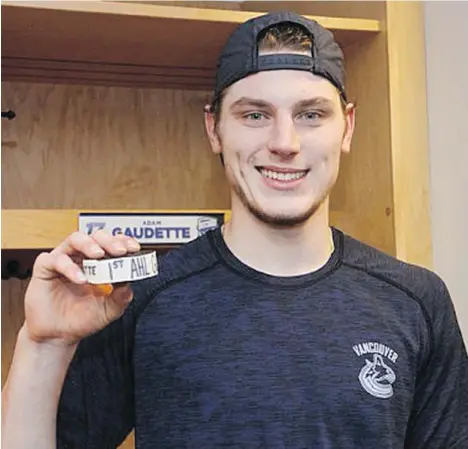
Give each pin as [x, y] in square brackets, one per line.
[350, 120]
[211, 130]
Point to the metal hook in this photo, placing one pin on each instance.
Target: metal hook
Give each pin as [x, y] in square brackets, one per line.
[10, 115]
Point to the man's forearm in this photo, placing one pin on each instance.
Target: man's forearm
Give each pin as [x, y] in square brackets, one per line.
[31, 394]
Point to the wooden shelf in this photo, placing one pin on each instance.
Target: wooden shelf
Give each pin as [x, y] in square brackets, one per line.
[46, 228]
[110, 43]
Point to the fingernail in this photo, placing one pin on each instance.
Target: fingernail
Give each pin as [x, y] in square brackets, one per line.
[118, 247]
[134, 246]
[97, 250]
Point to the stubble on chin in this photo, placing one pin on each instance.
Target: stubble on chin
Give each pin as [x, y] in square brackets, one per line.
[277, 220]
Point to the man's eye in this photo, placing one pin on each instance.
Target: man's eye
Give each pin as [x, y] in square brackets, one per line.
[310, 115]
[254, 116]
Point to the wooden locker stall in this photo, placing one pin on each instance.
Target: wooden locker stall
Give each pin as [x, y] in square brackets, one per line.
[109, 103]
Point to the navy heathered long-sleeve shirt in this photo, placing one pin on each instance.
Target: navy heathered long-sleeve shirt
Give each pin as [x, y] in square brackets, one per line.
[364, 353]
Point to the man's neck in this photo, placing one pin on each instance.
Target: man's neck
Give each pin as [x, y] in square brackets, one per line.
[280, 251]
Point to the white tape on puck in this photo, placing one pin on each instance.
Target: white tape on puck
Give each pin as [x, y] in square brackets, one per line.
[120, 269]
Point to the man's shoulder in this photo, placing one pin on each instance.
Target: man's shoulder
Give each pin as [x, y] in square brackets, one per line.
[177, 265]
[193, 257]
[417, 282]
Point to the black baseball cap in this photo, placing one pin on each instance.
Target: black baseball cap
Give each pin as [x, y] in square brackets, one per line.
[239, 57]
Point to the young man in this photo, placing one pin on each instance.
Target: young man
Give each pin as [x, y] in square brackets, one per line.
[276, 331]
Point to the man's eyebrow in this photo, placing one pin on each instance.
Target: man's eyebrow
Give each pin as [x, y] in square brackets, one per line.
[247, 101]
[314, 102]
[307, 103]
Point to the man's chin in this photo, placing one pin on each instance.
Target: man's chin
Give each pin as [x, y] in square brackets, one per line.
[280, 215]
[283, 218]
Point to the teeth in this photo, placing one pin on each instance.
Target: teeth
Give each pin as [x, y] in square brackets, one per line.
[282, 176]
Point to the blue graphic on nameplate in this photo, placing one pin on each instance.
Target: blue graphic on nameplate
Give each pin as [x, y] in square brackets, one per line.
[164, 229]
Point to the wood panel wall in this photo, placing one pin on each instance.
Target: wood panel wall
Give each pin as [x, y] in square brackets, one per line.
[409, 132]
[364, 190]
[107, 147]
[349, 9]
[12, 319]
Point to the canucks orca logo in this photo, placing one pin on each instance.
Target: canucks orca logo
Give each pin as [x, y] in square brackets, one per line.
[377, 378]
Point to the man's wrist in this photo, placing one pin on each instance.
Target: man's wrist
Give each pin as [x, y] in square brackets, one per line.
[53, 348]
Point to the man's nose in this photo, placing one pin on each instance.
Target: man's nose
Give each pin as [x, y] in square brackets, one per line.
[284, 140]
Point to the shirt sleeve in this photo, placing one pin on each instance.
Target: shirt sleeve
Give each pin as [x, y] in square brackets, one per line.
[96, 407]
[439, 418]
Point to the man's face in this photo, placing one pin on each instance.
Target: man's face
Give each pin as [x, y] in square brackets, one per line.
[281, 134]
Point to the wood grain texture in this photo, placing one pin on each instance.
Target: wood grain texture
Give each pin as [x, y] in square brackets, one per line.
[12, 319]
[129, 443]
[156, 37]
[224, 5]
[107, 148]
[99, 74]
[409, 133]
[364, 188]
[347, 8]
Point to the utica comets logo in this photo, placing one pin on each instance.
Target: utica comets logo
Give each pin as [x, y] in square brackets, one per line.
[376, 377]
[206, 224]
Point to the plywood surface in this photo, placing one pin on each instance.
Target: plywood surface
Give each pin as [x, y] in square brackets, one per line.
[410, 157]
[364, 188]
[12, 319]
[124, 43]
[89, 147]
[224, 5]
[359, 9]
